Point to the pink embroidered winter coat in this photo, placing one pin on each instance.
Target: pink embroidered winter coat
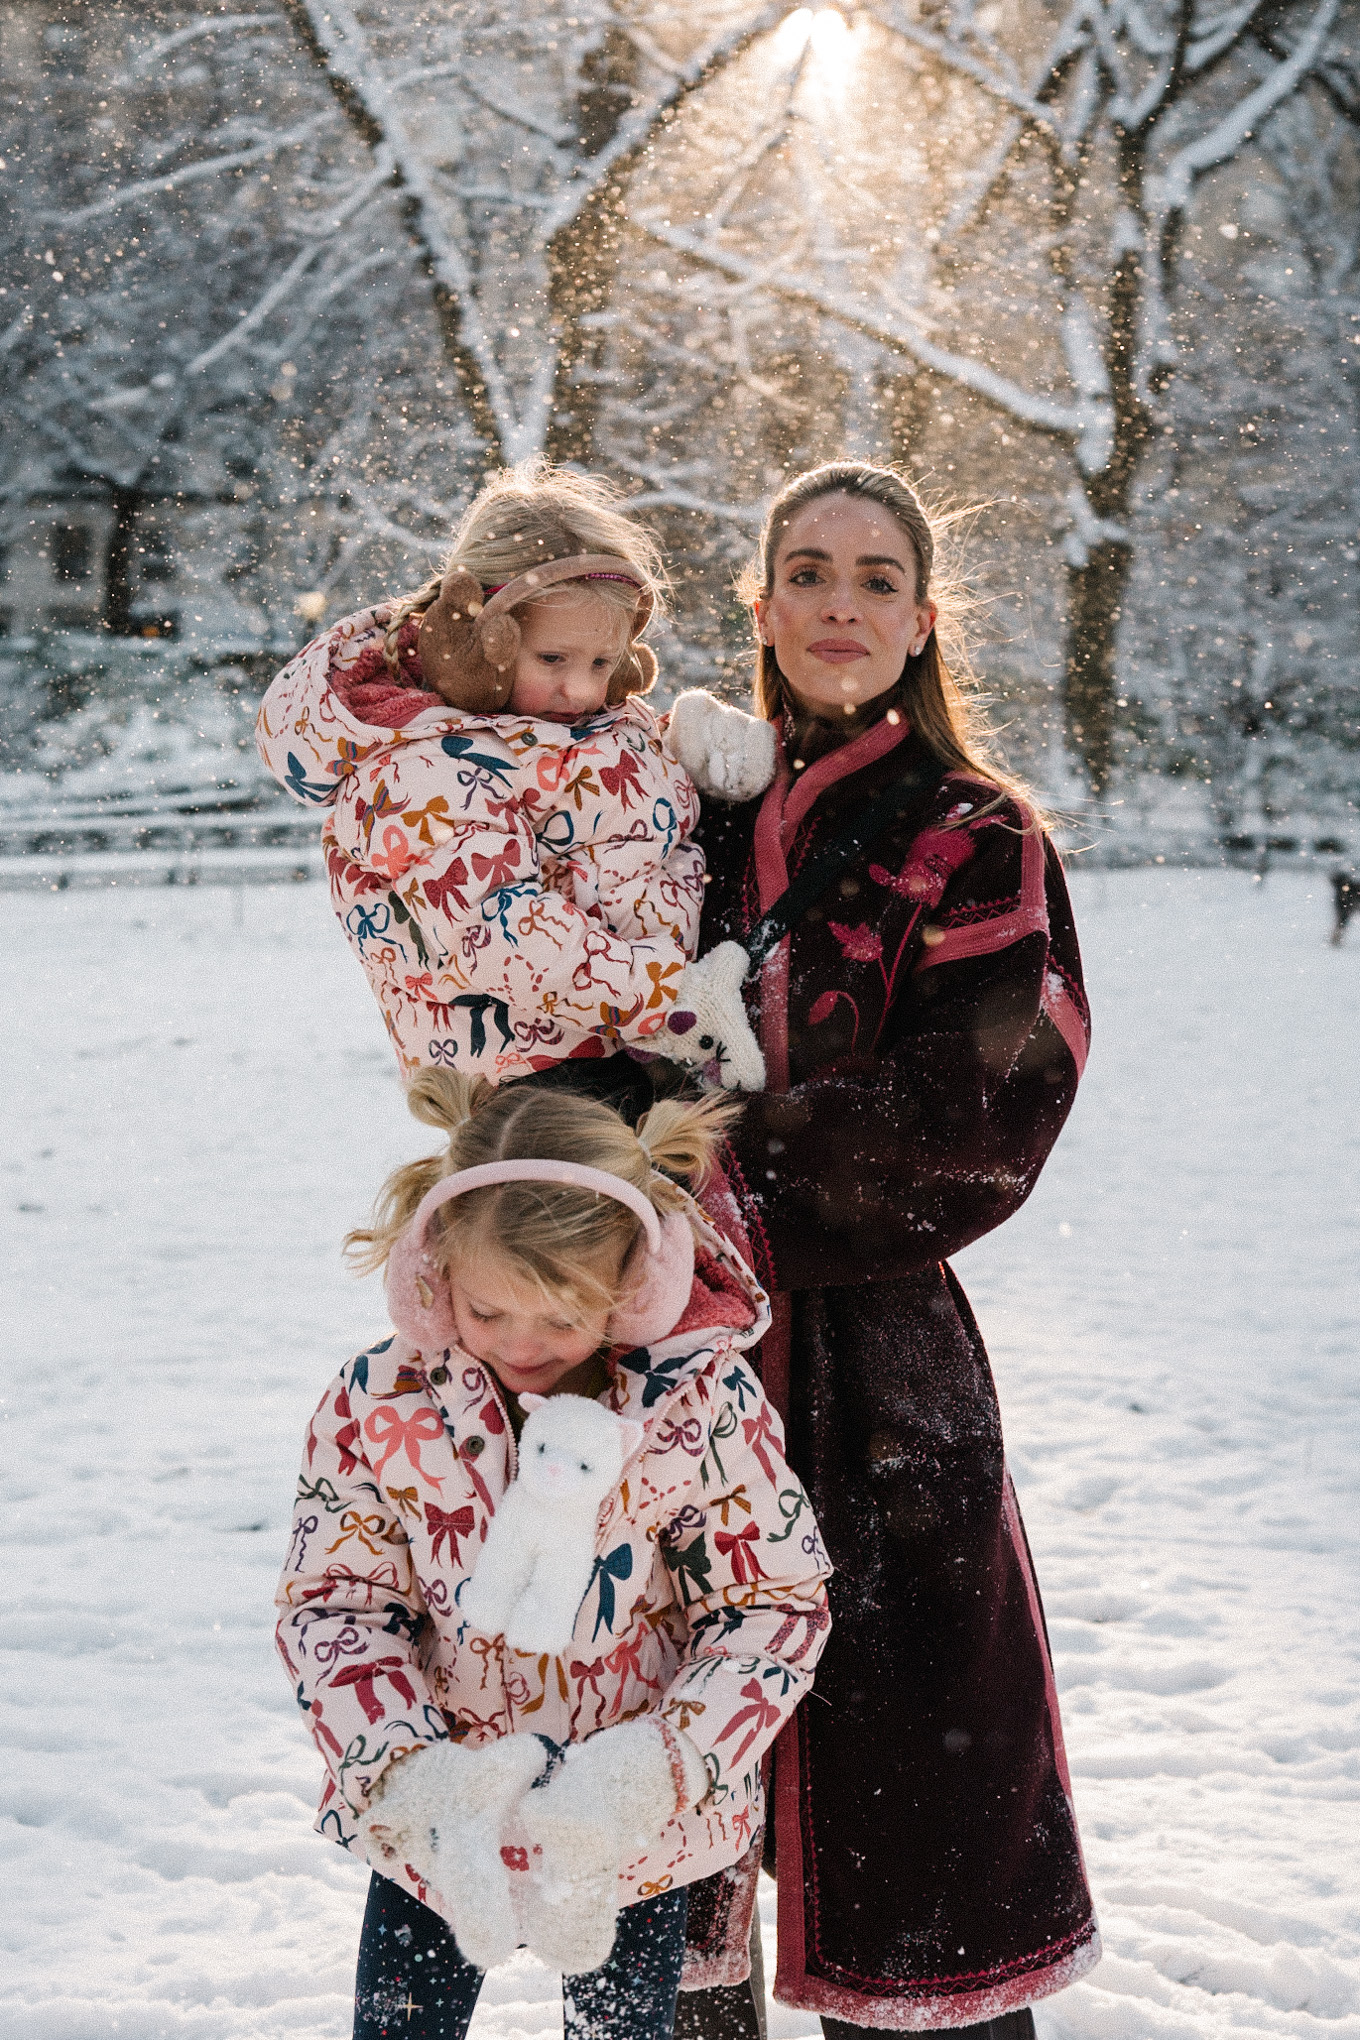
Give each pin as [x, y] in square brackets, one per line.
[707, 1603]
[518, 892]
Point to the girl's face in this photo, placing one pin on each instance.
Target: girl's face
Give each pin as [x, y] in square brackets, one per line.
[842, 614]
[567, 650]
[527, 1344]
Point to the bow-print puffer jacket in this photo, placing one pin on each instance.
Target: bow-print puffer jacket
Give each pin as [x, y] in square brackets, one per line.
[707, 1603]
[517, 891]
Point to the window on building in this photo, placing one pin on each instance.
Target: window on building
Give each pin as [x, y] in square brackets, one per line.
[157, 564]
[72, 552]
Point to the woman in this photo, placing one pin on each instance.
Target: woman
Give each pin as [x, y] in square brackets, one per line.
[924, 1028]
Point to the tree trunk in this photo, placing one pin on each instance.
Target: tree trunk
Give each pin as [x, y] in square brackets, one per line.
[1096, 590]
[582, 261]
[1095, 600]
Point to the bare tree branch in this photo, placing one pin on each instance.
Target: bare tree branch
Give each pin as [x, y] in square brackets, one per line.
[1074, 421]
[192, 173]
[1170, 190]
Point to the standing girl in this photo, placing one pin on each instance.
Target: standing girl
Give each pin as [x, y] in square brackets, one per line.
[549, 1252]
[924, 1026]
[509, 847]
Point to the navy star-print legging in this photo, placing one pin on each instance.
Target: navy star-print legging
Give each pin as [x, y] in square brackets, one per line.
[413, 1984]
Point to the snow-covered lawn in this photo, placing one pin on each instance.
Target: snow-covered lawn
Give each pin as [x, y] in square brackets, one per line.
[199, 1100]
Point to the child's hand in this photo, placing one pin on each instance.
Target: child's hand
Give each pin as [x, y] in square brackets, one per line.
[724, 750]
[708, 1020]
[607, 1804]
[443, 1810]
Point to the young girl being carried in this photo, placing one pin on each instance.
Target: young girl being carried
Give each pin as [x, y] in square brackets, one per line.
[507, 842]
[547, 1262]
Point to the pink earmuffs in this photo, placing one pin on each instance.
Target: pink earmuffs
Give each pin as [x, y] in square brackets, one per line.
[661, 1265]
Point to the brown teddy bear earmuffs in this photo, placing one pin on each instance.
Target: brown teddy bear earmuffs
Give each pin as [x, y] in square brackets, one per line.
[469, 641]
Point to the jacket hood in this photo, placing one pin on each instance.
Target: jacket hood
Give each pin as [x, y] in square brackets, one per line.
[342, 693]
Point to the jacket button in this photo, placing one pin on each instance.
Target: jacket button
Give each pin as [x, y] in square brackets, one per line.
[473, 1447]
[438, 1376]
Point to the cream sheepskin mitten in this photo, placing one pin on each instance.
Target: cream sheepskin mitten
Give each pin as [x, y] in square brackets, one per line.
[442, 1809]
[607, 1803]
[708, 1020]
[724, 750]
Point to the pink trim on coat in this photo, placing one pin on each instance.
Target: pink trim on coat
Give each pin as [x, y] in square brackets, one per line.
[876, 743]
[1062, 1009]
[981, 938]
[782, 809]
[1063, 1963]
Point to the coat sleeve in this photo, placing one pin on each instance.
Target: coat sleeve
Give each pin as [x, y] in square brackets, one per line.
[351, 1612]
[750, 1570]
[641, 896]
[877, 1168]
[473, 904]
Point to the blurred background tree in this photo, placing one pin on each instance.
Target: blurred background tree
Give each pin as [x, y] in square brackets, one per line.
[284, 282]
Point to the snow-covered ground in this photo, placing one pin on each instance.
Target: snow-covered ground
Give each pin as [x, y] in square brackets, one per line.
[199, 1100]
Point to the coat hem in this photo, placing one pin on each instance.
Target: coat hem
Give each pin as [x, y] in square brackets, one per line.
[912, 2010]
[714, 1968]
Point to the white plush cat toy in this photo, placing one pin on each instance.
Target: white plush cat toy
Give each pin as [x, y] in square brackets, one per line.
[535, 1567]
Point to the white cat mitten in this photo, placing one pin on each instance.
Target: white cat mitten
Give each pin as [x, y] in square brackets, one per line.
[725, 751]
[607, 1803]
[535, 1566]
[443, 1809]
[708, 1022]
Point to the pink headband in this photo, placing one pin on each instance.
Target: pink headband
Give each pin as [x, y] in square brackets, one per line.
[575, 1174]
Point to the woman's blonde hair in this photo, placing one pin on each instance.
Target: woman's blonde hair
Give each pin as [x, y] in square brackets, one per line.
[944, 711]
[536, 512]
[564, 1244]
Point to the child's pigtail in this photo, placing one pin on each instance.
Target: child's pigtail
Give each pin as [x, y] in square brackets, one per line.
[445, 1099]
[403, 607]
[681, 1140]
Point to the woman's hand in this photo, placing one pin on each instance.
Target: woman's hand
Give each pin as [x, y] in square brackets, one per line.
[725, 751]
[708, 1022]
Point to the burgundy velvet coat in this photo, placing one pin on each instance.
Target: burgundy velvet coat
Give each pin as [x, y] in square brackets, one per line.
[924, 1027]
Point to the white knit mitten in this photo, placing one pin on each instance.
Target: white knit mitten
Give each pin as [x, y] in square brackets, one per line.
[708, 1020]
[443, 1810]
[607, 1803]
[724, 750]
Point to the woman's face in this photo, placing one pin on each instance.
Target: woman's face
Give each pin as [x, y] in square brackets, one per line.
[843, 614]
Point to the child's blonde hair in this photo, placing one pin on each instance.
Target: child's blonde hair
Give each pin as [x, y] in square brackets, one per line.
[533, 513]
[566, 1245]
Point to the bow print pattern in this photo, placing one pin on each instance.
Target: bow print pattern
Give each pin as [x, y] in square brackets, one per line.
[543, 872]
[697, 1609]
